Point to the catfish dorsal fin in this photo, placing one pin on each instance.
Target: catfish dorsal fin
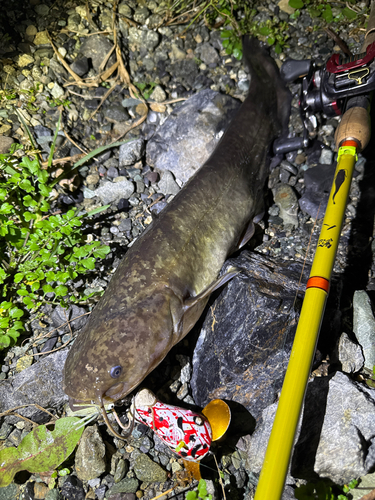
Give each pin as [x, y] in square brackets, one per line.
[220, 281]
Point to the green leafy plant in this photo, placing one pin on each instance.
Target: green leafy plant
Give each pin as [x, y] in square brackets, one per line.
[232, 43]
[273, 33]
[54, 102]
[324, 10]
[40, 253]
[324, 491]
[145, 89]
[200, 493]
[41, 450]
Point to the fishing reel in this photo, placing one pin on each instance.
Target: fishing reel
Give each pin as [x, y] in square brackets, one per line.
[331, 89]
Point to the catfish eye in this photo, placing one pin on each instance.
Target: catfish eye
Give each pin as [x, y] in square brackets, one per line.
[115, 371]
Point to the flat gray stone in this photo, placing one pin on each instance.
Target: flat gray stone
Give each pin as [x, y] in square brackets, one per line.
[111, 191]
[130, 152]
[41, 383]
[364, 326]
[190, 134]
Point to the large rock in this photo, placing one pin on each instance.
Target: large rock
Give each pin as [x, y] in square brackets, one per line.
[364, 326]
[244, 345]
[190, 134]
[336, 438]
[40, 384]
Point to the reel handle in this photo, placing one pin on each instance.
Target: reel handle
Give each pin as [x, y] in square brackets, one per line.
[292, 69]
[285, 145]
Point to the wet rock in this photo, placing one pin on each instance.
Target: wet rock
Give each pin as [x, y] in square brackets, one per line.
[72, 489]
[121, 470]
[131, 152]
[349, 354]
[190, 134]
[326, 157]
[365, 486]
[53, 495]
[116, 112]
[167, 184]
[318, 182]
[41, 384]
[364, 326]
[242, 350]
[5, 144]
[90, 457]
[95, 48]
[336, 435]
[286, 199]
[143, 38]
[111, 191]
[76, 316]
[41, 38]
[127, 485]
[10, 492]
[141, 14]
[148, 471]
[184, 72]
[208, 54]
[57, 91]
[158, 94]
[80, 65]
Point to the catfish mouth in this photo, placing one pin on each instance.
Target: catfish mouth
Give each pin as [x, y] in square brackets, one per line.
[115, 392]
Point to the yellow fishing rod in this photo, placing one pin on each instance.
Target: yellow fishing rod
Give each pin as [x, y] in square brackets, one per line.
[351, 137]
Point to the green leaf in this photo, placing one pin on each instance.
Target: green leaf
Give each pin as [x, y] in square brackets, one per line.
[41, 450]
[4, 322]
[349, 13]
[47, 289]
[98, 151]
[28, 201]
[18, 277]
[15, 313]
[3, 275]
[61, 290]
[18, 325]
[26, 185]
[28, 302]
[191, 495]
[296, 4]
[226, 34]
[314, 12]
[4, 343]
[13, 334]
[51, 276]
[270, 40]
[5, 305]
[327, 14]
[101, 252]
[44, 190]
[89, 263]
[264, 31]
[28, 216]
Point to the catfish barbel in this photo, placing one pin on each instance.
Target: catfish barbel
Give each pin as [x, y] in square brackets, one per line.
[164, 281]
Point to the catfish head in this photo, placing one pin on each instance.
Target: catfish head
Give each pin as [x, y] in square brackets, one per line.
[119, 348]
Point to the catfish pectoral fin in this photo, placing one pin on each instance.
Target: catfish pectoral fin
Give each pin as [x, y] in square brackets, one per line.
[192, 301]
[247, 235]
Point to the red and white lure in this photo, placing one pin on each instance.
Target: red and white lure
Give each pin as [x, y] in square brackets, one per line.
[187, 433]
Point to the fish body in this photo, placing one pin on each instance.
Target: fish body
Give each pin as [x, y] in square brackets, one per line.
[164, 281]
